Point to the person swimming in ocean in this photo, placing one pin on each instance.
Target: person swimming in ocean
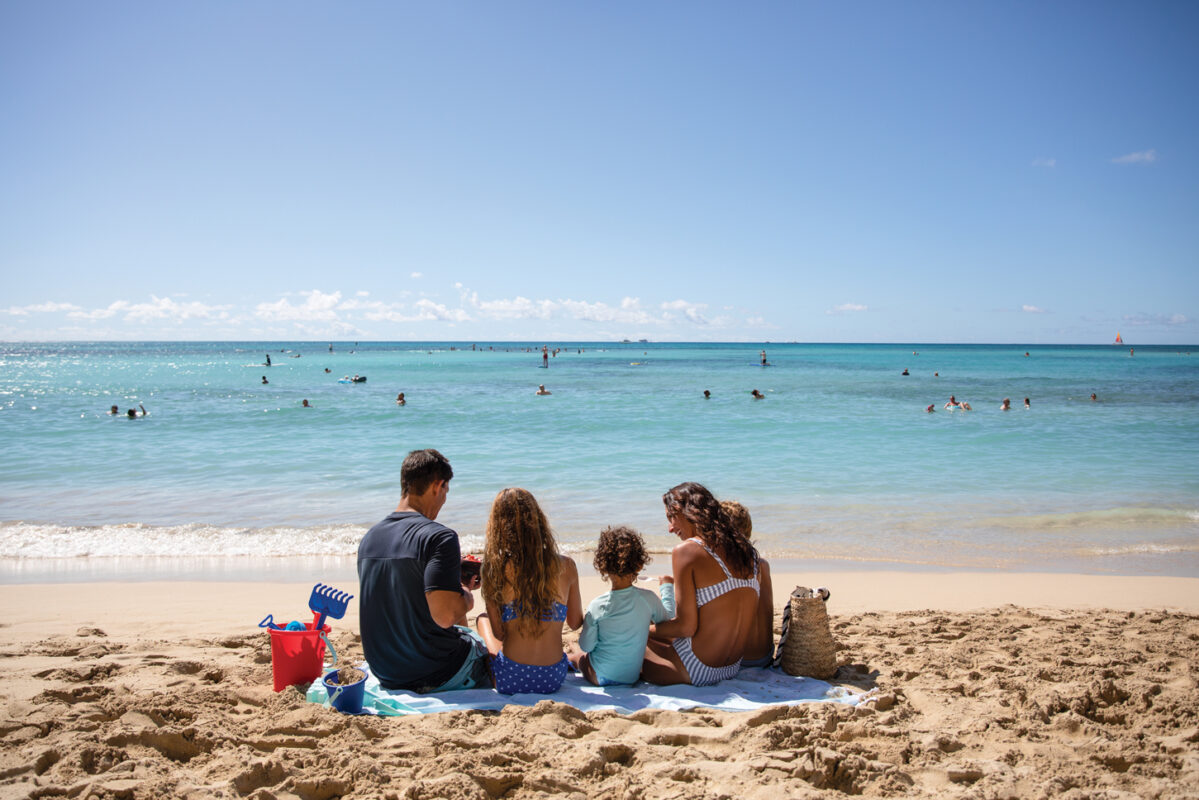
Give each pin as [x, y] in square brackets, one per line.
[755, 394]
[953, 402]
[114, 411]
[1007, 404]
[541, 390]
[305, 403]
[132, 413]
[400, 401]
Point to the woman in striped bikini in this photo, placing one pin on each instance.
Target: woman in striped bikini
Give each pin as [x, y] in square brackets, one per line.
[712, 594]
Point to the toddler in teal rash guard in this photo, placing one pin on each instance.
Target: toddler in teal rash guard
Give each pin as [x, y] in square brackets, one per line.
[616, 625]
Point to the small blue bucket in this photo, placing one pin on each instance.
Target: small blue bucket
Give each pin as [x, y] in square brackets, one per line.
[346, 699]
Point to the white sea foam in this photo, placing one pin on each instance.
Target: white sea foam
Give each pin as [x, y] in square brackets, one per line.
[28, 541]
[1143, 548]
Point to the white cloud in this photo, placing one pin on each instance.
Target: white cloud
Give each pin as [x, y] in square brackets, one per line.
[1032, 309]
[354, 304]
[846, 308]
[157, 308]
[1143, 157]
[319, 313]
[436, 311]
[1167, 320]
[40, 308]
[426, 311]
[1044, 162]
[692, 311]
[418, 275]
[317, 307]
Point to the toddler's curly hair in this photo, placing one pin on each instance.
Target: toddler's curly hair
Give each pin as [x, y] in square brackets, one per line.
[739, 514]
[621, 551]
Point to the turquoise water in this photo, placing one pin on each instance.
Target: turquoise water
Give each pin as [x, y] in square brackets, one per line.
[839, 462]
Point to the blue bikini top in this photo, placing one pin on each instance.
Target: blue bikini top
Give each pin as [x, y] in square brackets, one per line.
[510, 611]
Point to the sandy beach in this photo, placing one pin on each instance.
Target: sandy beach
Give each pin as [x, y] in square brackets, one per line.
[989, 686]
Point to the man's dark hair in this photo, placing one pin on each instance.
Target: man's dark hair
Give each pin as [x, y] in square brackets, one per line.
[420, 469]
[621, 551]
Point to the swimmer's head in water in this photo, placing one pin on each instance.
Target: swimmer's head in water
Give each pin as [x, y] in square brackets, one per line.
[131, 413]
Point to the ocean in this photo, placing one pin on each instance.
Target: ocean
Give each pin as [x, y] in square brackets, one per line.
[839, 463]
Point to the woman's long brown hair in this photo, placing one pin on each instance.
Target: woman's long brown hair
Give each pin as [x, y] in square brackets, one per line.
[713, 525]
[520, 553]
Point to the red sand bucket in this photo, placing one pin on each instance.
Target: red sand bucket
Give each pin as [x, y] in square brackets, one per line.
[297, 656]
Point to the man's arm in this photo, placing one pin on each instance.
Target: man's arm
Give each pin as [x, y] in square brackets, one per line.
[448, 608]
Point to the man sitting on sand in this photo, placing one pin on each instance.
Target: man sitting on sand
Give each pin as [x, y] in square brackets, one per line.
[412, 600]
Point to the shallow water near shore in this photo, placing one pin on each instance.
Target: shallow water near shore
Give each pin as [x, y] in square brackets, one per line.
[839, 462]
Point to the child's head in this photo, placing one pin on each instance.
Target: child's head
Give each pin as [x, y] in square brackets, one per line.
[621, 551]
[739, 514]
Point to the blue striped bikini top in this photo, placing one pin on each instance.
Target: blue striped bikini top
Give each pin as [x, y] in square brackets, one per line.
[709, 593]
[510, 611]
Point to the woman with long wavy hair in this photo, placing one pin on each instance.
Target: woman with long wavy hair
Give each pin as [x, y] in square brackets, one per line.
[713, 589]
[529, 590]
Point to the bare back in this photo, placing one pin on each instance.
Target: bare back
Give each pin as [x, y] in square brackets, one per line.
[544, 645]
[725, 622]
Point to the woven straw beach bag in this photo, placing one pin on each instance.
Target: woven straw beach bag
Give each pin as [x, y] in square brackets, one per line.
[807, 646]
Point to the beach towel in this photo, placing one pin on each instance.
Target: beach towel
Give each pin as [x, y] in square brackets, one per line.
[752, 689]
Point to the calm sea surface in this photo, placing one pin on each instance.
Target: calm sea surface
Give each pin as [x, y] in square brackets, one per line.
[840, 462]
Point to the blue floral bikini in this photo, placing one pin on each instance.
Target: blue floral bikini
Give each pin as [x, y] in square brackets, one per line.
[513, 677]
[701, 674]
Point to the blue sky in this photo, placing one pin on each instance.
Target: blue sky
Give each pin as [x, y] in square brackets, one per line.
[861, 171]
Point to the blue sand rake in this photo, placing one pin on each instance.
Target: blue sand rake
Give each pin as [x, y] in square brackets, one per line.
[326, 601]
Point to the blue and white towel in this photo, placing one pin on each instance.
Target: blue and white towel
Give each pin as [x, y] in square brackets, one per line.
[751, 690]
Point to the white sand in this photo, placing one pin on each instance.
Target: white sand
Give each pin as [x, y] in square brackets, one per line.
[1017, 685]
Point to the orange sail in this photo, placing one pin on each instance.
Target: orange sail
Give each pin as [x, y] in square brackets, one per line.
[1118, 339]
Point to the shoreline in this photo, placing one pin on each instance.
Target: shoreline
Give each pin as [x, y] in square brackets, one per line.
[343, 568]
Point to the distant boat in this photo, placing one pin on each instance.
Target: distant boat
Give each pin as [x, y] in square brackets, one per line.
[1118, 339]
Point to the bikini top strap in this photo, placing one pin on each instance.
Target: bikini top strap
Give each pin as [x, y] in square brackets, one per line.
[725, 569]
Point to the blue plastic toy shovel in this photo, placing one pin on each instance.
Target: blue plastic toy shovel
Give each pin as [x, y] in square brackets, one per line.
[326, 601]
